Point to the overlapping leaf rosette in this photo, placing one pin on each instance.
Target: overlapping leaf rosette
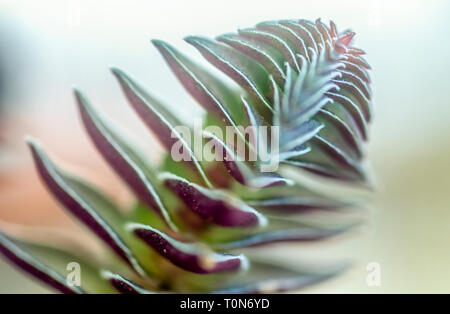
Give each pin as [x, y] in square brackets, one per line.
[197, 224]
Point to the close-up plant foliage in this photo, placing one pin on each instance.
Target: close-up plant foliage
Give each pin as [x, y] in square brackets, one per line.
[195, 223]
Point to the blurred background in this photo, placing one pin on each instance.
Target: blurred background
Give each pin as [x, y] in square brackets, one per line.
[47, 46]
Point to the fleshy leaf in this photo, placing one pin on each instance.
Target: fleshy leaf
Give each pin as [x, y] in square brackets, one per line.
[211, 93]
[275, 41]
[126, 162]
[53, 265]
[349, 89]
[357, 70]
[304, 33]
[270, 58]
[123, 285]
[83, 203]
[296, 42]
[297, 234]
[339, 133]
[242, 172]
[268, 277]
[297, 204]
[157, 118]
[311, 27]
[193, 257]
[214, 205]
[17, 256]
[244, 70]
[354, 110]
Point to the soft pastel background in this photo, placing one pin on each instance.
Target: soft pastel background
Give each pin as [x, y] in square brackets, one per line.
[48, 46]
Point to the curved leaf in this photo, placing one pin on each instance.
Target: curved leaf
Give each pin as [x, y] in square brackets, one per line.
[83, 203]
[213, 205]
[126, 162]
[17, 256]
[268, 277]
[275, 41]
[297, 204]
[270, 58]
[242, 172]
[298, 234]
[157, 118]
[193, 257]
[211, 93]
[244, 70]
[296, 42]
[123, 285]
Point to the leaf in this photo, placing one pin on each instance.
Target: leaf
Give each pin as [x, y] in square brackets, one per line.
[304, 33]
[294, 152]
[297, 204]
[85, 204]
[270, 58]
[270, 277]
[357, 60]
[357, 81]
[293, 234]
[336, 131]
[294, 41]
[357, 70]
[211, 93]
[311, 27]
[193, 257]
[275, 41]
[157, 118]
[35, 268]
[52, 266]
[349, 89]
[126, 162]
[295, 137]
[341, 157]
[242, 69]
[123, 285]
[354, 111]
[344, 124]
[214, 205]
[242, 172]
[327, 160]
[324, 30]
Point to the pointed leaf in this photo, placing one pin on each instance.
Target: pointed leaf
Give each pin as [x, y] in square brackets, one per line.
[211, 93]
[354, 111]
[270, 277]
[242, 69]
[157, 118]
[213, 205]
[242, 172]
[17, 256]
[340, 134]
[311, 27]
[275, 41]
[123, 285]
[304, 33]
[126, 162]
[83, 203]
[350, 90]
[192, 257]
[298, 234]
[297, 204]
[270, 58]
[294, 41]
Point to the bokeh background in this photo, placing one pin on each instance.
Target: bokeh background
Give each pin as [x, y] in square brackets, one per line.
[48, 46]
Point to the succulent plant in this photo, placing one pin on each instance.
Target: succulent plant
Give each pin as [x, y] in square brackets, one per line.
[196, 223]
